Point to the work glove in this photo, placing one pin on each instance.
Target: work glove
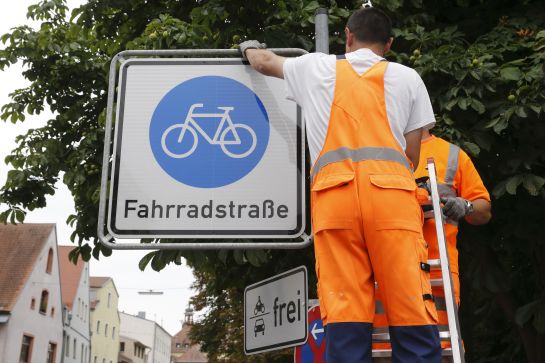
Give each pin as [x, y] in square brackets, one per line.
[455, 208]
[445, 191]
[250, 44]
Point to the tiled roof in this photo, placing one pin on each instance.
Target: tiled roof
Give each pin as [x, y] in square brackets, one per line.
[190, 354]
[98, 281]
[70, 275]
[20, 246]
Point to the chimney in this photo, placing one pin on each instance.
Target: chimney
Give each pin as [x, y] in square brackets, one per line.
[141, 314]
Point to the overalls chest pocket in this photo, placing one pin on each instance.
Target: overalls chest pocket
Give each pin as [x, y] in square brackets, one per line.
[395, 205]
[334, 200]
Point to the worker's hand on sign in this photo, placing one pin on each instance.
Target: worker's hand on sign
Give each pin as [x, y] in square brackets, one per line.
[455, 208]
[250, 44]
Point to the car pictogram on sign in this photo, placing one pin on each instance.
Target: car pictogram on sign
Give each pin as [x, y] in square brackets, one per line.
[259, 327]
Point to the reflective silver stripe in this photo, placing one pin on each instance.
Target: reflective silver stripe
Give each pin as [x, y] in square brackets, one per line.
[361, 154]
[452, 164]
[380, 329]
[379, 308]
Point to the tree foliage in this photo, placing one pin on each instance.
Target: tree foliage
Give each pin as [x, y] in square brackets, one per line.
[483, 64]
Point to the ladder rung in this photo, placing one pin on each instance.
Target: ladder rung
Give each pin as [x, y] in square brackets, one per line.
[434, 263]
[436, 282]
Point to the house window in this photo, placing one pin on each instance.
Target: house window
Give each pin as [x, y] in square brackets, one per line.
[52, 312]
[33, 303]
[74, 349]
[122, 346]
[43, 301]
[113, 333]
[106, 330]
[178, 345]
[95, 359]
[82, 349]
[67, 345]
[98, 327]
[51, 352]
[49, 266]
[26, 349]
[109, 299]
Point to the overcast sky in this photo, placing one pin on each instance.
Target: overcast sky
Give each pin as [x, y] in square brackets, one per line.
[122, 266]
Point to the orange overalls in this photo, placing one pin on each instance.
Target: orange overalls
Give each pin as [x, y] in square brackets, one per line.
[368, 226]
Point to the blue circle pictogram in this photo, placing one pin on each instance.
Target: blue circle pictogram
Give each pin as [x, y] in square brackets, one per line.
[209, 131]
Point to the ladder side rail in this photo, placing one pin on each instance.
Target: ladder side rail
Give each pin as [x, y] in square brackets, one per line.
[452, 308]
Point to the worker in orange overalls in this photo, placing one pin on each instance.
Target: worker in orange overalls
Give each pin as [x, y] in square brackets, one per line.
[364, 119]
[464, 196]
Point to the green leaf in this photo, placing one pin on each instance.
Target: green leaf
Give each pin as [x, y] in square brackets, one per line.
[472, 148]
[510, 73]
[539, 319]
[491, 123]
[537, 109]
[238, 255]
[462, 103]
[145, 260]
[311, 6]
[252, 258]
[521, 112]
[513, 183]
[533, 184]
[222, 255]
[501, 125]
[525, 313]
[478, 106]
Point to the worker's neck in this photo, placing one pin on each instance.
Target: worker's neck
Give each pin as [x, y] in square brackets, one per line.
[376, 48]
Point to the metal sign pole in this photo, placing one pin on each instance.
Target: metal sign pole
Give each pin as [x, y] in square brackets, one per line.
[322, 31]
[108, 239]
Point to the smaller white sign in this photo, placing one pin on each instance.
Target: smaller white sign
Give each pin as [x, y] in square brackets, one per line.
[275, 312]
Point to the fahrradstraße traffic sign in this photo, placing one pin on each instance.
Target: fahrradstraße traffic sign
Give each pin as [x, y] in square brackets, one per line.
[205, 148]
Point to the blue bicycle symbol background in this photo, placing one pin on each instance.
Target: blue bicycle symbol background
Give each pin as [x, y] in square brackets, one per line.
[209, 131]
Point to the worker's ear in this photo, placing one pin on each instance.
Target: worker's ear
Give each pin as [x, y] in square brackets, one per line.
[349, 39]
[388, 45]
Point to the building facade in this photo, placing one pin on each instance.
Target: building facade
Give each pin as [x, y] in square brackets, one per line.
[104, 320]
[30, 294]
[75, 300]
[132, 351]
[149, 333]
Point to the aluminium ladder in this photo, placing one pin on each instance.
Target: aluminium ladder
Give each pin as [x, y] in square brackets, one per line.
[452, 332]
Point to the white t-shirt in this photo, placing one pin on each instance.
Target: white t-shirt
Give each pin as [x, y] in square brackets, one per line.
[310, 81]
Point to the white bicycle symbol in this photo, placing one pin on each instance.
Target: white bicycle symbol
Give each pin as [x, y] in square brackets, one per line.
[191, 127]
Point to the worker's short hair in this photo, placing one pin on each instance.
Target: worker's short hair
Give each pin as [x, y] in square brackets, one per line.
[370, 25]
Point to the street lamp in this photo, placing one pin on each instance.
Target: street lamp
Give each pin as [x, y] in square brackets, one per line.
[150, 292]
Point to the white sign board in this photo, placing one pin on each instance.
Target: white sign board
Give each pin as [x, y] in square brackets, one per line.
[205, 148]
[275, 312]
